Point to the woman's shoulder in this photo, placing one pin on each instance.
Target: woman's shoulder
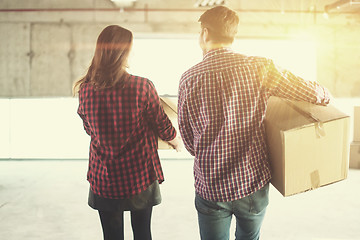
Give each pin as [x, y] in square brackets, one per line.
[84, 86]
[140, 81]
[137, 78]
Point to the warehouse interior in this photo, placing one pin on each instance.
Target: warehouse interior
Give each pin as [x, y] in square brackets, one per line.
[45, 46]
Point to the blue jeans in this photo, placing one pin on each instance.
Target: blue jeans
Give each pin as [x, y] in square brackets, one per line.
[215, 217]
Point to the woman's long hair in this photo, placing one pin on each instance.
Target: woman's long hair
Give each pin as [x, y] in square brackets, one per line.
[108, 66]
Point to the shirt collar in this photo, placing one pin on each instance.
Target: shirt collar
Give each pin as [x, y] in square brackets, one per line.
[217, 51]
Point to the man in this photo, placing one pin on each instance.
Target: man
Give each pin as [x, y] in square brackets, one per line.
[221, 109]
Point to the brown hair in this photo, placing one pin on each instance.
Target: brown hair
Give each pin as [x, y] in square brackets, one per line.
[221, 22]
[108, 66]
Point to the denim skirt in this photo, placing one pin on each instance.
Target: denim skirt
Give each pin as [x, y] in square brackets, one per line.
[148, 198]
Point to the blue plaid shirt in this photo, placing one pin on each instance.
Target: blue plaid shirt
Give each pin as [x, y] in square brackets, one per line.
[221, 109]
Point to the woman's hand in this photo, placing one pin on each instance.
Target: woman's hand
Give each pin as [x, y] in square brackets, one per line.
[176, 143]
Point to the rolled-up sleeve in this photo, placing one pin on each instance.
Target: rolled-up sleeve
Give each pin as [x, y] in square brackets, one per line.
[81, 113]
[283, 83]
[184, 124]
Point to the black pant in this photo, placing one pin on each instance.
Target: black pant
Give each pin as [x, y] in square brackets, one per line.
[113, 224]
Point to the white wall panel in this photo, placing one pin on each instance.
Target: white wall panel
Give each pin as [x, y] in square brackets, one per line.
[47, 128]
[5, 128]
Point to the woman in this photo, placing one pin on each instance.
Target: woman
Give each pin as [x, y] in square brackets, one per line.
[122, 114]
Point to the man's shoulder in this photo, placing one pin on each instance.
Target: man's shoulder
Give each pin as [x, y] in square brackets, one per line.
[223, 60]
[197, 68]
[247, 58]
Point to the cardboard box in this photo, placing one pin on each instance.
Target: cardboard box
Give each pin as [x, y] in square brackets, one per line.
[354, 155]
[170, 107]
[357, 124]
[308, 145]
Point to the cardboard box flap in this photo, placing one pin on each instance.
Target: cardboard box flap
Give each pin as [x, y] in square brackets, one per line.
[170, 101]
[318, 112]
[302, 114]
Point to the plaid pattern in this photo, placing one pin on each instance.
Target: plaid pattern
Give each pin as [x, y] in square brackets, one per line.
[124, 125]
[222, 104]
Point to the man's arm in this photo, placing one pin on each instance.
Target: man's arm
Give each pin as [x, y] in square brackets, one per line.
[283, 83]
[184, 124]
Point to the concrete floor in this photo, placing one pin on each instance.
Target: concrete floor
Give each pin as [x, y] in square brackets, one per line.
[47, 199]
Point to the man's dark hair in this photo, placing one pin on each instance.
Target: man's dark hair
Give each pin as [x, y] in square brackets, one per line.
[221, 22]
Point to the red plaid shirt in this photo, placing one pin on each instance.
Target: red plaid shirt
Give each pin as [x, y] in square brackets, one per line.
[222, 105]
[124, 125]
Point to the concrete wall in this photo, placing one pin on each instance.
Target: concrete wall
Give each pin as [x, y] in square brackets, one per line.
[46, 45]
